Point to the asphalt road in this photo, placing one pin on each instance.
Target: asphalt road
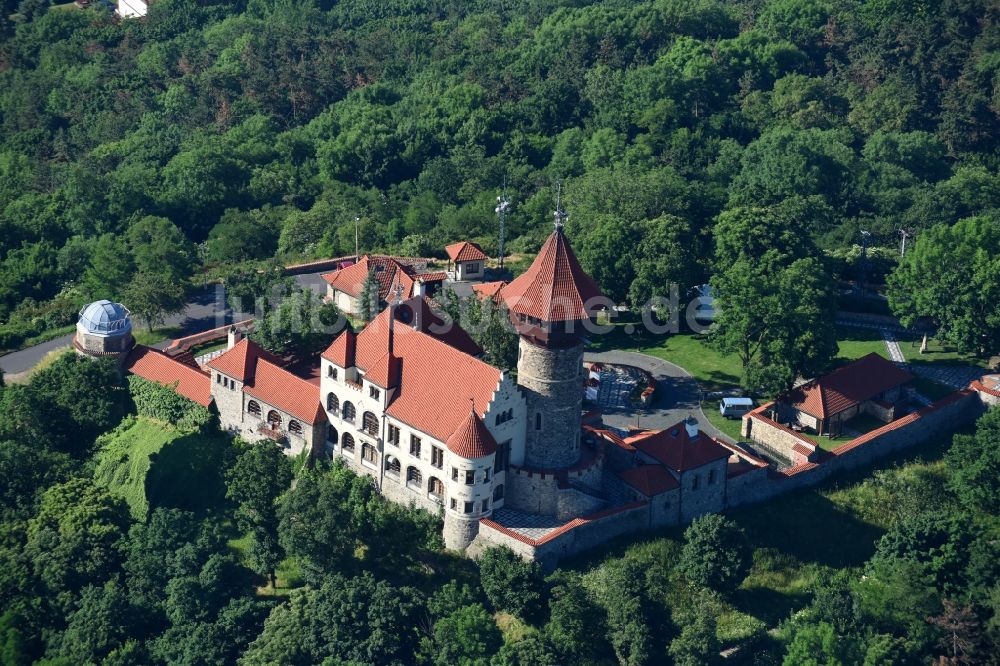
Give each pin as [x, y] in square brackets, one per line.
[206, 310]
[677, 395]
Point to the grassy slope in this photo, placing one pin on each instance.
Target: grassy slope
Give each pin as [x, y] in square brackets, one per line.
[149, 463]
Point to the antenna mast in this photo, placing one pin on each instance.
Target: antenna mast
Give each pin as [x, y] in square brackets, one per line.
[559, 214]
[503, 203]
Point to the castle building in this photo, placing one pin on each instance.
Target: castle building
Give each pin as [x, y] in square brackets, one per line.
[433, 425]
[390, 276]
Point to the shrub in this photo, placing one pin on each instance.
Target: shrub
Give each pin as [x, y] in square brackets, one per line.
[716, 553]
[159, 402]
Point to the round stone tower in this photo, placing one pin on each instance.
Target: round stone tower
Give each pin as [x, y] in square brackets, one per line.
[470, 490]
[549, 305]
[104, 329]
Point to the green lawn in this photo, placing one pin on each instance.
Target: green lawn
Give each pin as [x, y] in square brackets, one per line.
[729, 427]
[939, 352]
[855, 342]
[713, 369]
[144, 336]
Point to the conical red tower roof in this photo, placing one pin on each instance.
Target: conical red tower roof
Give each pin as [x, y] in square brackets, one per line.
[555, 287]
[472, 439]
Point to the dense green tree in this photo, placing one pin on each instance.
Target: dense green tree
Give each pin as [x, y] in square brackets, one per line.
[974, 465]
[260, 475]
[154, 297]
[301, 324]
[716, 553]
[951, 277]
[819, 645]
[574, 621]
[697, 644]
[353, 620]
[467, 636]
[28, 470]
[511, 584]
[111, 268]
[775, 304]
[65, 405]
[102, 623]
[75, 539]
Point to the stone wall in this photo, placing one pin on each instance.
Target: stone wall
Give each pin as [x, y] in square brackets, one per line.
[552, 380]
[703, 490]
[574, 537]
[537, 491]
[942, 417]
[775, 438]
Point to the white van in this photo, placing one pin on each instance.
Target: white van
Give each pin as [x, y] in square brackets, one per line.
[735, 408]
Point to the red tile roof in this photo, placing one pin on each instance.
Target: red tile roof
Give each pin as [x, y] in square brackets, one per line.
[240, 361]
[472, 439]
[436, 379]
[341, 350]
[650, 480]
[439, 276]
[388, 273]
[674, 448]
[555, 286]
[157, 367]
[491, 290]
[415, 313]
[264, 378]
[847, 386]
[465, 251]
[281, 389]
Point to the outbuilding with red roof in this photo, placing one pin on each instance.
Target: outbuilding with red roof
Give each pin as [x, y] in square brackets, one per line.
[466, 261]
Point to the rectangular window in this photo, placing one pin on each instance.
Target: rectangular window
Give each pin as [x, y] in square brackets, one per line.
[502, 457]
[454, 474]
[414, 446]
[454, 503]
[696, 482]
[486, 475]
[331, 372]
[437, 457]
[470, 477]
[711, 476]
[485, 505]
[373, 392]
[218, 379]
[468, 507]
[394, 435]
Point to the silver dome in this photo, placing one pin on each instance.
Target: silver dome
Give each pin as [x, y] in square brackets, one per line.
[105, 318]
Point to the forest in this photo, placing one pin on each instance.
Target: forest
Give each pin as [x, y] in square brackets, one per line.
[748, 143]
[225, 133]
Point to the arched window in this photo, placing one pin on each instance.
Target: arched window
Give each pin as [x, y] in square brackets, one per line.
[498, 493]
[274, 418]
[392, 466]
[347, 442]
[331, 372]
[369, 454]
[414, 477]
[332, 403]
[369, 423]
[347, 411]
[295, 427]
[331, 434]
[435, 487]
[253, 407]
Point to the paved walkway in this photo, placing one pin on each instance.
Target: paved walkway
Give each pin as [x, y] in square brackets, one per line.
[677, 395]
[531, 525]
[207, 309]
[955, 376]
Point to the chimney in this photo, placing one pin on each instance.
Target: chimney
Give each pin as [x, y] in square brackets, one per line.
[691, 425]
[234, 336]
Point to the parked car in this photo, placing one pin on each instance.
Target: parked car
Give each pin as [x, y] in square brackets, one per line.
[735, 408]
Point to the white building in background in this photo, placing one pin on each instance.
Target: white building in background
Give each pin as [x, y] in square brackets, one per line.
[132, 8]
